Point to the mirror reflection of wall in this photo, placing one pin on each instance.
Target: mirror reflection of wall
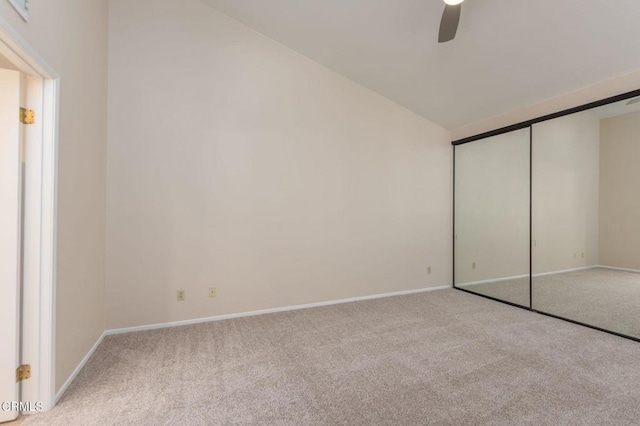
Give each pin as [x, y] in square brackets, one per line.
[565, 193]
[586, 217]
[492, 210]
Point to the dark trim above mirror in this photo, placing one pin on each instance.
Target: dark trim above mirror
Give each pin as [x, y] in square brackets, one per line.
[531, 122]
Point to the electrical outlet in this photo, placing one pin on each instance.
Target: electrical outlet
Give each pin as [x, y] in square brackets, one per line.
[429, 270]
[473, 265]
[180, 295]
[212, 292]
[583, 255]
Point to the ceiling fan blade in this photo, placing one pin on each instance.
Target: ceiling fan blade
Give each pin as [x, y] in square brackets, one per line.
[449, 23]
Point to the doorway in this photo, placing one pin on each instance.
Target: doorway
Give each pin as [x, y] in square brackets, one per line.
[28, 150]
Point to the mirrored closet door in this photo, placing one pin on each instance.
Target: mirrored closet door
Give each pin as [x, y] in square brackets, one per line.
[586, 217]
[492, 217]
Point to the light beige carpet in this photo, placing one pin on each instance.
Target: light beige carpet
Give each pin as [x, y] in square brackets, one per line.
[439, 358]
[602, 297]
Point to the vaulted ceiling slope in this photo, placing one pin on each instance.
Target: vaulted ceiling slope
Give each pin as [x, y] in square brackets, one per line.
[507, 54]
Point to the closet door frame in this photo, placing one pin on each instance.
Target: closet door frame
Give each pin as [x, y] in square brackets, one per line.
[479, 139]
[514, 127]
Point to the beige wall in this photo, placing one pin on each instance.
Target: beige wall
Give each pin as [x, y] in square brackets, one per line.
[6, 64]
[492, 208]
[620, 199]
[236, 163]
[565, 192]
[71, 35]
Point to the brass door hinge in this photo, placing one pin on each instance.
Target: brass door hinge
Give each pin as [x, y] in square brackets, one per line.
[23, 372]
[27, 116]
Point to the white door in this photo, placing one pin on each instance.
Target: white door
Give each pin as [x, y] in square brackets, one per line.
[10, 237]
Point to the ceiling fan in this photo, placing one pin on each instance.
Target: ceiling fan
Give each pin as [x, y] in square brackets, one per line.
[450, 20]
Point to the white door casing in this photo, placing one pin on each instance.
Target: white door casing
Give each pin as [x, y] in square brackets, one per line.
[10, 237]
[42, 95]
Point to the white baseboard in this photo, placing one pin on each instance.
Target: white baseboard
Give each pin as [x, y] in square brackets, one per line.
[619, 269]
[75, 372]
[542, 274]
[267, 311]
[582, 268]
[495, 280]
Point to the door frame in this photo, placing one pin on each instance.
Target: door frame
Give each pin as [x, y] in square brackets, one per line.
[40, 223]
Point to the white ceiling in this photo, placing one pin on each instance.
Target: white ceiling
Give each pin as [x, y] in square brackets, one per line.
[508, 53]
